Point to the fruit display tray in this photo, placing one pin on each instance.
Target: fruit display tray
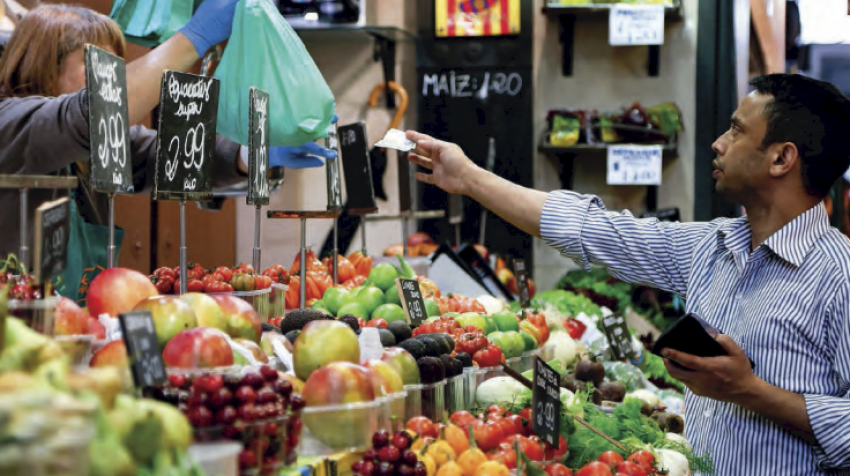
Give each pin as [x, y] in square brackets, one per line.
[392, 416]
[339, 428]
[427, 400]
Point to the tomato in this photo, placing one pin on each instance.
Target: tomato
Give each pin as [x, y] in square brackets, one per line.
[557, 469]
[630, 468]
[215, 278]
[245, 268]
[505, 427]
[225, 272]
[496, 410]
[164, 284]
[530, 447]
[377, 323]
[422, 426]
[429, 288]
[217, 287]
[644, 459]
[167, 273]
[575, 328]
[471, 343]
[275, 321]
[489, 356]
[526, 414]
[487, 435]
[506, 456]
[611, 458]
[473, 329]
[361, 322]
[539, 321]
[551, 453]
[192, 286]
[354, 282]
[521, 425]
[262, 282]
[595, 469]
[462, 419]
[242, 282]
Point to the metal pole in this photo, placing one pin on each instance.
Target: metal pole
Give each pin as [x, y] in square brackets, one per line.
[457, 235]
[183, 272]
[257, 251]
[110, 258]
[363, 237]
[404, 222]
[303, 263]
[336, 251]
[24, 247]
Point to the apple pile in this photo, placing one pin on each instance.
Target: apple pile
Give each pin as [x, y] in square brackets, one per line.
[251, 408]
[222, 279]
[390, 456]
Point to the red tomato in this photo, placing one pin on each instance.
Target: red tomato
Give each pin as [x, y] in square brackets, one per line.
[552, 453]
[225, 272]
[521, 425]
[629, 468]
[471, 343]
[193, 286]
[487, 435]
[213, 278]
[539, 321]
[595, 469]
[429, 288]
[611, 458]
[377, 323]
[489, 356]
[262, 282]
[360, 322]
[422, 426]
[245, 268]
[195, 270]
[506, 456]
[496, 409]
[164, 285]
[462, 419]
[645, 460]
[215, 287]
[557, 469]
[526, 414]
[506, 427]
[530, 447]
[165, 273]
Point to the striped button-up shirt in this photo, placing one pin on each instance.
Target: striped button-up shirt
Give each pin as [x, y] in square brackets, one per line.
[787, 304]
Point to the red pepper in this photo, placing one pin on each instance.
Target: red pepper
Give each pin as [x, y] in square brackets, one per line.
[575, 328]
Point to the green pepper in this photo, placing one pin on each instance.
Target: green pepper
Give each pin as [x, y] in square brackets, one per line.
[405, 271]
[242, 282]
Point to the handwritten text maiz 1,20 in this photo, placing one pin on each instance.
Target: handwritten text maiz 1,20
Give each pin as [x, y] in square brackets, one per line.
[258, 148]
[186, 137]
[106, 83]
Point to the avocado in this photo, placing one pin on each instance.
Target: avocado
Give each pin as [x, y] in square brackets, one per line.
[447, 342]
[453, 366]
[298, 318]
[414, 347]
[433, 346]
[270, 328]
[292, 335]
[387, 337]
[464, 358]
[351, 321]
[401, 330]
[431, 369]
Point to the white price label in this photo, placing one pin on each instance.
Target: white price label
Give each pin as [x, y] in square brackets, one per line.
[636, 25]
[634, 165]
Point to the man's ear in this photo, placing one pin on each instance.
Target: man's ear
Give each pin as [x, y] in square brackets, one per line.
[784, 157]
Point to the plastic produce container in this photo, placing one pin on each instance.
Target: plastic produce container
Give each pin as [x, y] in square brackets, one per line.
[525, 362]
[38, 314]
[339, 428]
[457, 393]
[427, 400]
[483, 374]
[268, 439]
[217, 459]
[392, 417]
[78, 347]
[265, 301]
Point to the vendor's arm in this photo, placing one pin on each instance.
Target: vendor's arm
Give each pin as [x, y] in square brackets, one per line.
[636, 250]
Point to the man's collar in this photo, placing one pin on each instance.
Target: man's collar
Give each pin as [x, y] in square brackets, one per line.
[792, 242]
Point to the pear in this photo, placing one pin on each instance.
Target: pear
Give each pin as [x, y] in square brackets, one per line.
[104, 381]
[108, 455]
[177, 430]
[15, 380]
[18, 332]
[21, 357]
[141, 430]
[55, 372]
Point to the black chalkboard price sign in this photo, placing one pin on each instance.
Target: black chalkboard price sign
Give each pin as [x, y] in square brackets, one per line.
[52, 229]
[521, 274]
[618, 336]
[546, 403]
[258, 148]
[411, 301]
[106, 86]
[186, 137]
[143, 350]
[357, 169]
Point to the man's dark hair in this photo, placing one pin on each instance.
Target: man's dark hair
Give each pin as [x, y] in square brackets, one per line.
[813, 115]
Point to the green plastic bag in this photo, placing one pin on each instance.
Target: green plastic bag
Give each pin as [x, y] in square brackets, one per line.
[151, 22]
[265, 52]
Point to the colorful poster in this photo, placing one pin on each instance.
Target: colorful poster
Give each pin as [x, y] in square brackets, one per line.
[469, 18]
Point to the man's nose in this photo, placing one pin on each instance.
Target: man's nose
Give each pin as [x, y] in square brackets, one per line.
[719, 147]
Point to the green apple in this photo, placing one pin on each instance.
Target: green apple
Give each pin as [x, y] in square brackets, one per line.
[335, 298]
[392, 296]
[431, 307]
[370, 298]
[323, 342]
[506, 321]
[517, 343]
[389, 313]
[529, 341]
[491, 325]
[472, 319]
[383, 276]
[320, 306]
[353, 308]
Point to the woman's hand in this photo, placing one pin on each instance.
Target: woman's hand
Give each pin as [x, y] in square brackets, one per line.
[211, 24]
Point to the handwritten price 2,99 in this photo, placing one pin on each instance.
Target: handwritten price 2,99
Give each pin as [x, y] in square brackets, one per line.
[260, 178]
[193, 153]
[113, 139]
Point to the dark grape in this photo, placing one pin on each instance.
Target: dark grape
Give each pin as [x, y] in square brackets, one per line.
[380, 439]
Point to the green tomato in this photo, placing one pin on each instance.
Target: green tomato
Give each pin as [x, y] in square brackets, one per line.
[392, 296]
[383, 276]
[431, 307]
[335, 298]
[517, 343]
[491, 325]
[529, 340]
[506, 321]
[355, 309]
[389, 313]
[370, 298]
[472, 319]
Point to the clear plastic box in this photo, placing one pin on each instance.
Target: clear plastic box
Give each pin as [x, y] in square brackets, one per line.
[267, 439]
[427, 400]
[460, 391]
[268, 302]
[218, 458]
[339, 428]
[392, 418]
[525, 362]
[37, 314]
[78, 348]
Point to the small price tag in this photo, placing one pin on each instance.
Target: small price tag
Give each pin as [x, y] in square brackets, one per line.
[52, 229]
[618, 336]
[521, 275]
[106, 85]
[546, 403]
[357, 169]
[634, 165]
[186, 137]
[636, 25]
[258, 147]
[143, 350]
[411, 301]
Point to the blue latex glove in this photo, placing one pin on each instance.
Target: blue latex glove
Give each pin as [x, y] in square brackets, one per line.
[300, 157]
[211, 24]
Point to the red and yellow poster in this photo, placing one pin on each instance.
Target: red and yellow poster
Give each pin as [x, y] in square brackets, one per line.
[459, 18]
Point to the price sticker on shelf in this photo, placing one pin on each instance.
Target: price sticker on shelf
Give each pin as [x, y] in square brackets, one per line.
[52, 230]
[411, 301]
[186, 137]
[546, 403]
[109, 119]
[631, 25]
[617, 332]
[521, 275]
[258, 147]
[139, 333]
[634, 165]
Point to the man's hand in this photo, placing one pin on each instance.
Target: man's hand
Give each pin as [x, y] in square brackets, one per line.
[450, 167]
[727, 378]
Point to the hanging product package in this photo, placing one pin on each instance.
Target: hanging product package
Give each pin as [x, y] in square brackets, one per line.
[265, 52]
[151, 22]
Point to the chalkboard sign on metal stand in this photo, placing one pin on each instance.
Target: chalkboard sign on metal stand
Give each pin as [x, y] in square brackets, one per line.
[143, 352]
[411, 300]
[546, 403]
[617, 333]
[357, 171]
[52, 229]
[185, 145]
[521, 274]
[258, 163]
[111, 164]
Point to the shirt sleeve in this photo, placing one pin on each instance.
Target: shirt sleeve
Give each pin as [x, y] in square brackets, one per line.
[644, 251]
[829, 415]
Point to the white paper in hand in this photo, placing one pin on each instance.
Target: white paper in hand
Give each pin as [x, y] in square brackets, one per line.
[395, 139]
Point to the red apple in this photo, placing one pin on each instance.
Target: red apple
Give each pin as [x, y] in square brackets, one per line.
[96, 328]
[389, 377]
[69, 319]
[170, 316]
[118, 290]
[252, 348]
[207, 311]
[323, 342]
[243, 320]
[113, 354]
[199, 347]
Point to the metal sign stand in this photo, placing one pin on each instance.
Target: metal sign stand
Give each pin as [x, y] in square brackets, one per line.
[184, 278]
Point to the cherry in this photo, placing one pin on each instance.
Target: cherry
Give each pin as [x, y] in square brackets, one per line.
[282, 387]
[220, 398]
[389, 454]
[405, 470]
[420, 469]
[266, 395]
[247, 459]
[380, 439]
[401, 440]
[235, 431]
[370, 455]
[296, 402]
[196, 398]
[268, 373]
[212, 383]
[270, 429]
[226, 416]
[248, 412]
[178, 381]
[409, 457]
[232, 381]
[357, 467]
[246, 394]
[252, 379]
[270, 465]
[385, 469]
[369, 469]
[260, 445]
[199, 416]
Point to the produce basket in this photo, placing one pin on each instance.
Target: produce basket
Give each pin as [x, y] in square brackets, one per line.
[460, 392]
[427, 400]
[266, 443]
[339, 428]
[392, 417]
[37, 314]
[217, 459]
[267, 302]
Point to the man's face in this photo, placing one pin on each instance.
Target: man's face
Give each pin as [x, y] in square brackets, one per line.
[741, 166]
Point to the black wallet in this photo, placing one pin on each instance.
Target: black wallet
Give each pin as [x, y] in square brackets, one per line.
[691, 335]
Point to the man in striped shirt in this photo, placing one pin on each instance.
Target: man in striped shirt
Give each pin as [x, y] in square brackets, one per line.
[776, 282]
